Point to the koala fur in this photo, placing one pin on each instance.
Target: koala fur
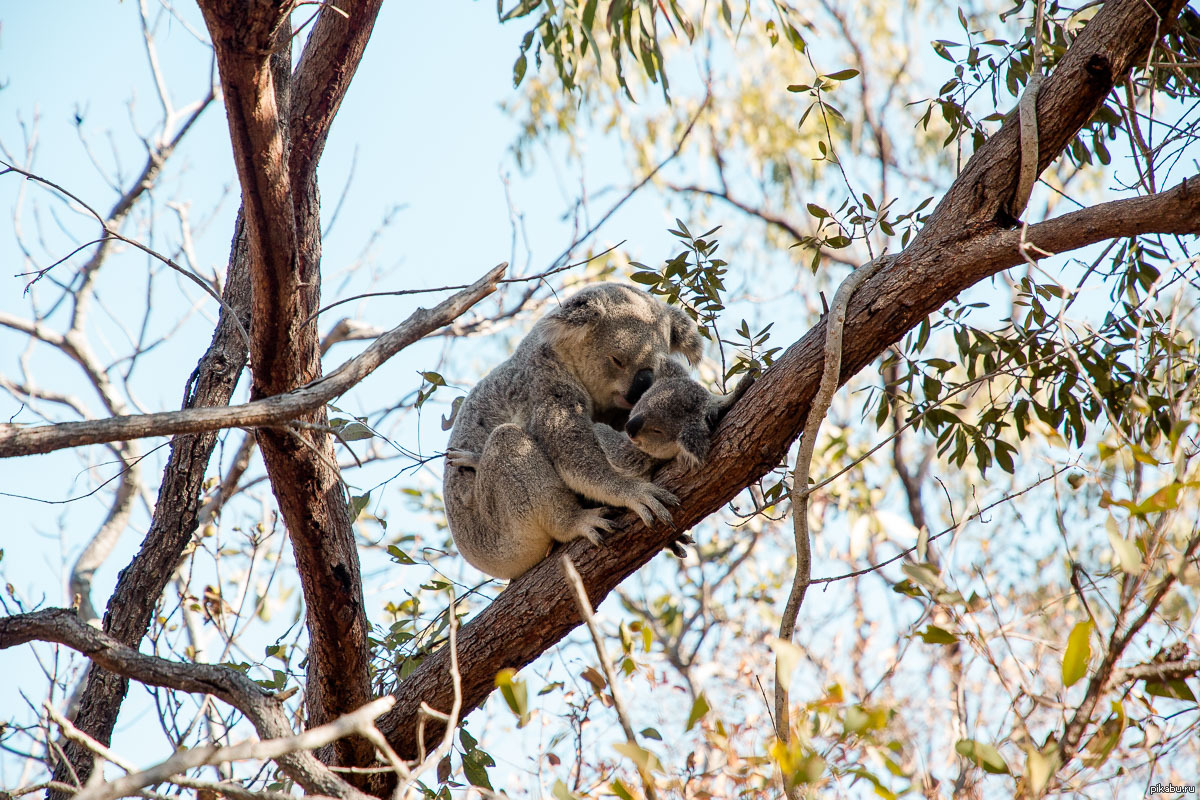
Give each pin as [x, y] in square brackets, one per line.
[523, 444]
[674, 419]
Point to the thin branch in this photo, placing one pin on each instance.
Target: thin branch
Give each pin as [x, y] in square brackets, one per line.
[254, 749]
[610, 674]
[16, 440]
[835, 325]
[110, 233]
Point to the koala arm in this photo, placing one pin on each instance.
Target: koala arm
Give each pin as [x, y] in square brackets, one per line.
[622, 453]
[565, 430]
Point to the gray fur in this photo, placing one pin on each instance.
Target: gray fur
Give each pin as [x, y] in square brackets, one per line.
[523, 443]
[673, 420]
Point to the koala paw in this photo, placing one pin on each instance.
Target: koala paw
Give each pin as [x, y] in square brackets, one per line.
[461, 458]
[650, 503]
[678, 546]
[593, 525]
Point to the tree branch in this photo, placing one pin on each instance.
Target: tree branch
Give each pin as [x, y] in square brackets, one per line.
[19, 441]
[264, 711]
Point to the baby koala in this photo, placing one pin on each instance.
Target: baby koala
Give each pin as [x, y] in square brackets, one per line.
[673, 420]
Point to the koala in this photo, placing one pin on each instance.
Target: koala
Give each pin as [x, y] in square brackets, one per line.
[523, 449]
[673, 420]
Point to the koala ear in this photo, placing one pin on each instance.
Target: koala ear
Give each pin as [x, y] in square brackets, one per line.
[685, 336]
[565, 326]
[695, 443]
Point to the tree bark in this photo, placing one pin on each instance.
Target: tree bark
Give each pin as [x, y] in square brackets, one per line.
[966, 239]
[325, 70]
[279, 193]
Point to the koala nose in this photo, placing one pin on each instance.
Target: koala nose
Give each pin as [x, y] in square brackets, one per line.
[641, 382]
[634, 425]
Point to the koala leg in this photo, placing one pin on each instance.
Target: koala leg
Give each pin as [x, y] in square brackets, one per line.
[529, 507]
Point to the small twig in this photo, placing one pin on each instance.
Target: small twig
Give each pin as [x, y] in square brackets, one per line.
[401, 292]
[257, 749]
[113, 234]
[76, 735]
[956, 526]
[1159, 672]
[585, 608]
[451, 719]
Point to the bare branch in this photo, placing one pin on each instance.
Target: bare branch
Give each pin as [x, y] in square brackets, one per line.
[610, 674]
[16, 440]
[260, 707]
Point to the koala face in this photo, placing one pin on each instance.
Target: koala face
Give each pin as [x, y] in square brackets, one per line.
[673, 419]
[615, 339]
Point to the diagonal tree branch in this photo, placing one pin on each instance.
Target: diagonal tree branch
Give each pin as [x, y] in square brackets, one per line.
[962, 243]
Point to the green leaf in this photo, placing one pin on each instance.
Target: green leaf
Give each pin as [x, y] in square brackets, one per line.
[787, 656]
[515, 693]
[1176, 689]
[519, 70]
[1040, 766]
[1128, 557]
[842, 75]
[1079, 651]
[652, 733]
[640, 756]
[935, 635]
[983, 755]
[561, 792]
[357, 504]
[399, 556]
[355, 431]
[621, 790]
[924, 574]
[699, 708]
[475, 763]
[647, 278]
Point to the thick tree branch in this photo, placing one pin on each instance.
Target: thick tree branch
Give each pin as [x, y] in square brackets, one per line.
[63, 626]
[959, 246]
[19, 441]
[537, 610]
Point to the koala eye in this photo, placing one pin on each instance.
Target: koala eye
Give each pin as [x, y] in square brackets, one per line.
[618, 363]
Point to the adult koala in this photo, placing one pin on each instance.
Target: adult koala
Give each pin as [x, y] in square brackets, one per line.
[523, 444]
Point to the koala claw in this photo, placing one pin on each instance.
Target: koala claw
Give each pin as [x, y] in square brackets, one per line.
[678, 546]
[461, 458]
[593, 526]
[651, 504]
